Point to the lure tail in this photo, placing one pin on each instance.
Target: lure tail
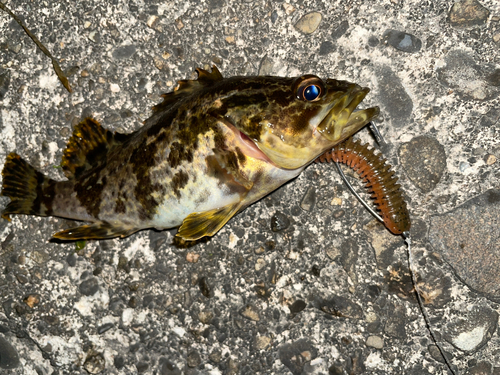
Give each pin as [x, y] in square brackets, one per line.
[27, 188]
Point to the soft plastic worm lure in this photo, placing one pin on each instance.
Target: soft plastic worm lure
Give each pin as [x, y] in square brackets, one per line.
[379, 178]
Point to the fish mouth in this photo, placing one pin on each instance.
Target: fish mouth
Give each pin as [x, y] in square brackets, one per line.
[343, 120]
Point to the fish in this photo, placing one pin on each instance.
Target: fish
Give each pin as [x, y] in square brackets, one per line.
[211, 148]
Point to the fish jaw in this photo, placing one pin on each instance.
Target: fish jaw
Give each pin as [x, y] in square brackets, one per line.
[342, 120]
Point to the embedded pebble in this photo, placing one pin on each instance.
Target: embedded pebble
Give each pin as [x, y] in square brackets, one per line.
[473, 330]
[250, 312]
[340, 30]
[375, 342]
[468, 13]
[424, 160]
[296, 354]
[266, 66]
[402, 41]
[9, 359]
[89, 287]
[262, 342]
[309, 23]
[4, 83]
[298, 306]
[279, 222]
[309, 199]
[398, 105]
[124, 52]
[468, 79]
[470, 232]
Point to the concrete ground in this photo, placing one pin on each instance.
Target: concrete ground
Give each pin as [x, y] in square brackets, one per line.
[304, 281]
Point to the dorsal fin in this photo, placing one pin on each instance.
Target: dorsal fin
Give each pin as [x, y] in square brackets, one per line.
[88, 146]
[188, 86]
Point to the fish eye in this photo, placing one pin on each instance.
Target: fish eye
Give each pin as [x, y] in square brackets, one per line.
[311, 93]
[310, 88]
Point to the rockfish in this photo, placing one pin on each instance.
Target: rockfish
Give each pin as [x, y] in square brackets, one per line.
[213, 146]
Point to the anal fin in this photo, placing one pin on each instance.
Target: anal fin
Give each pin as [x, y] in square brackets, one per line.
[100, 230]
[201, 224]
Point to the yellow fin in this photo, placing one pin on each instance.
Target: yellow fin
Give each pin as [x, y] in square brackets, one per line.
[201, 224]
[100, 230]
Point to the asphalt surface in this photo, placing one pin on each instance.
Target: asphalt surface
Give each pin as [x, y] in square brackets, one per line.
[304, 281]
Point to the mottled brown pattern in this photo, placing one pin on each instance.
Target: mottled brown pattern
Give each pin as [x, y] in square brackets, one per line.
[89, 189]
[179, 180]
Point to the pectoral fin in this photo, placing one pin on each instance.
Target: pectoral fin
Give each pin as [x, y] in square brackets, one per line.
[201, 224]
[97, 231]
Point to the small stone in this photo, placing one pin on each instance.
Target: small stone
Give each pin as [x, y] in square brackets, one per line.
[490, 159]
[260, 250]
[297, 306]
[309, 23]
[340, 30]
[326, 48]
[398, 105]
[205, 288]
[341, 306]
[266, 66]
[230, 39]
[262, 342]
[279, 222]
[32, 300]
[179, 24]
[309, 199]
[496, 37]
[152, 21]
[113, 87]
[89, 287]
[87, 24]
[160, 63]
[375, 342]
[472, 331]
[95, 37]
[124, 52]
[9, 359]
[193, 359]
[289, 8]
[259, 264]
[4, 83]
[95, 363]
[468, 13]
[192, 257]
[424, 159]
[470, 232]
[250, 312]
[215, 356]
[402, 41]
[205, 316]
[468, 79]
[104, 328]
[295, 355]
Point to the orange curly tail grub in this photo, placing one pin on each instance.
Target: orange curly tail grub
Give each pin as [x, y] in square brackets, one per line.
[379, 179]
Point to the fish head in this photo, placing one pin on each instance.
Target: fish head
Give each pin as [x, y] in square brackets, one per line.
[294, 120]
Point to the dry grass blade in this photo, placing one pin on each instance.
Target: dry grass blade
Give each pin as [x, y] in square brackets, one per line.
[55, 64]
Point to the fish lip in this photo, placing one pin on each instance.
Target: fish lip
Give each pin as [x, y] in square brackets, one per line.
[343, 119]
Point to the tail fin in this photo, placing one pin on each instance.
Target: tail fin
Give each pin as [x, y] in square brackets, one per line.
[28, 189]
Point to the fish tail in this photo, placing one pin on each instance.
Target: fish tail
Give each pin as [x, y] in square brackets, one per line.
[27, 188]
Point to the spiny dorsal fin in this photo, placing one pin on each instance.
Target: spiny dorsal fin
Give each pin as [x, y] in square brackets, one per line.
[188, 86]
[88, 146]
[201, 224]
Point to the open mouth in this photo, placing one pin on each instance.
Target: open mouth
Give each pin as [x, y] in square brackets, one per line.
[342, 120]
